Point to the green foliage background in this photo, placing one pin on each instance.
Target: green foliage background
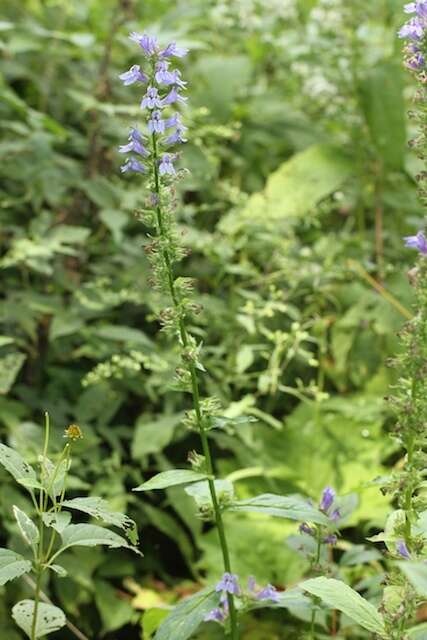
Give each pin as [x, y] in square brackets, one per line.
[300, 188]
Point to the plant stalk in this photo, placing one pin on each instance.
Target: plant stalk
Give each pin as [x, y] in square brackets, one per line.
[195, 394]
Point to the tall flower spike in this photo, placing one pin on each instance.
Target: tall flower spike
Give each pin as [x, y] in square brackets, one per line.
[160, 103]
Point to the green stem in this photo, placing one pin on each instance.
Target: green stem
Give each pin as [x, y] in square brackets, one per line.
[36, 602]
[195, 392]
[316, 564]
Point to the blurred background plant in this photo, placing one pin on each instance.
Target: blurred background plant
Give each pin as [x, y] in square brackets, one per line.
[294, 210]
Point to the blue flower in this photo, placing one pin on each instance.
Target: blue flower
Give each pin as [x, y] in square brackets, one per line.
[133, 75]
[268, 593]
[155, 123]
[414, 30]
[403, 550]
[151, 100]
[419, 7]
[330, 539]
[164, 76]
[166, 167]
[418, 242]
[304, 528]
[215, 615]
[173, 96]
[132, 164]
[173, 50]
[229, 583]
[176, 136]
[146, 42]
[328, 497]
[135, 144]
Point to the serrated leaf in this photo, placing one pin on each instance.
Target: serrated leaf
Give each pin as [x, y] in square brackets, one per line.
[12, 565]
[338, 595]
[28, 529]
[99, 508]
[187, 616]
[49, 618]
[57, 521]
[291, 507]
[416, 572]
[90, 535]
[171, 478]
[17, 467]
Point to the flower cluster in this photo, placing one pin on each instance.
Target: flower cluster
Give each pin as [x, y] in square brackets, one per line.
[327, 506]
[414, 31]
[163, 87]
[229, 584]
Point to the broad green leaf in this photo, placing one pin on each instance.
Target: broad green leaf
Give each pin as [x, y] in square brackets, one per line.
[338, 595]
[151, 621]
[115, 612]
[90, 535]
[10, 366]
[384, 106]
[187, 616]
[99, 508]
[416, 572]
[291, 507]
[28, 529]
[57, 521]
[416, 633]
[49, 618]
[12, 565]
[300, 184]
[17, 467]
[170, 479]
[154, 436]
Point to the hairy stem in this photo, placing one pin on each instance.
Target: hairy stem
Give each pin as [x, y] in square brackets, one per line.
[194, 389]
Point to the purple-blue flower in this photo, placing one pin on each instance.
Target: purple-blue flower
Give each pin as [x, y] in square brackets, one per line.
[173, 96]
[419, 7]
[229, 583]
[416, 61]
[335, 515]
[166, 167]
[418, 242]
[330, 539]
[268, 593]
[164, 76]
[132, 164]
[328, 497]
[146, 42]
[215, 615]
[403, 550]
[176, 136]
[151, 100]
[304, 528]
[133, 75]
[414, 29]
[173, 50]
[155, 123]
[135, 144]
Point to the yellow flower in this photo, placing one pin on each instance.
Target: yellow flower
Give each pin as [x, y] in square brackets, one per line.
[73, 432]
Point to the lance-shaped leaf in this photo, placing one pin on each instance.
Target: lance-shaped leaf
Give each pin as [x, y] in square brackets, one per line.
[338, 595]
[187, 616]
[17, 467]
[12, 565]
[49, 618]
[171, 478]
[291, 507]
[90, 535]
[28, 529]
[99, 508]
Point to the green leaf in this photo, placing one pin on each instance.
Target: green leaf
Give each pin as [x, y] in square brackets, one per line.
[154, 436]
[10, 366]
[338, 595]
[12, 565]
[187, 616]
[385, 110]
[28, 529]
[57, 521]
[90, 535]
[291, 507]
[151, 621]
[49, 618]
[115, 612]
[416, 572]
[14, 463]
[300, 184]
[99, 508]
[416, 633]
[170, 479]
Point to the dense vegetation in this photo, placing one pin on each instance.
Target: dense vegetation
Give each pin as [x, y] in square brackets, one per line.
[299, 190]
